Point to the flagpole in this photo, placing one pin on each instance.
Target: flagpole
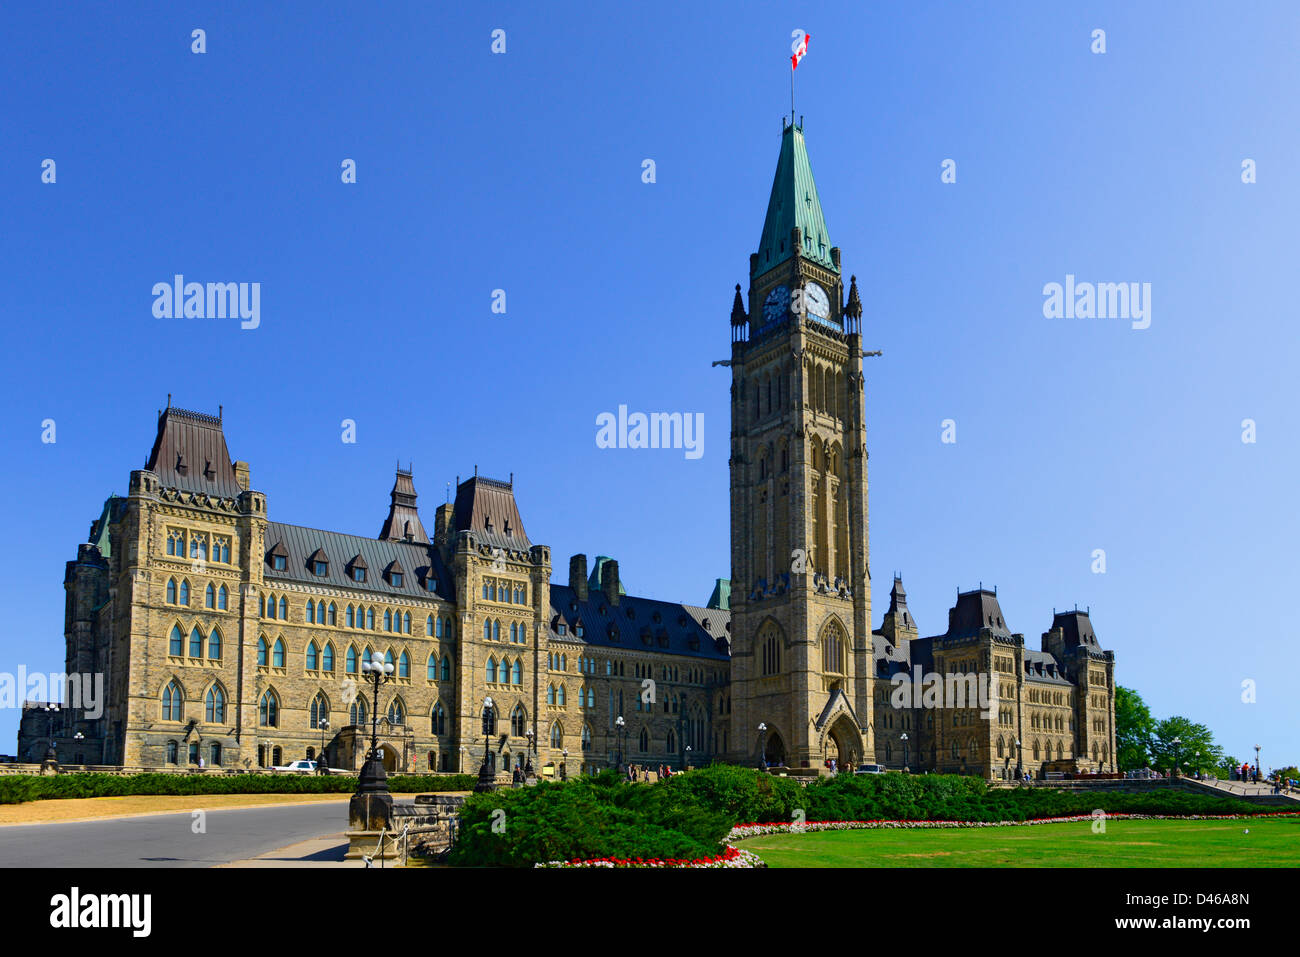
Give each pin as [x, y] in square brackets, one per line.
[792, 94]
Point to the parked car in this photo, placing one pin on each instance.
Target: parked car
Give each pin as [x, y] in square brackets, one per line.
[307, 767]
[870, 769]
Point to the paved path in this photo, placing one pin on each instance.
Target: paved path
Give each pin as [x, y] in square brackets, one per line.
[168, 840]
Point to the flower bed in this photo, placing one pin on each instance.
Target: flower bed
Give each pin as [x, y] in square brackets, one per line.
[742, 831]
[730, 857]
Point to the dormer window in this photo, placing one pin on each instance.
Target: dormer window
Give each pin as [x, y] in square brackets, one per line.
[397, 579]
[577, 629]
[358, 574]
[318, 563]
[430, 583]
[278, 557]
[357, 568]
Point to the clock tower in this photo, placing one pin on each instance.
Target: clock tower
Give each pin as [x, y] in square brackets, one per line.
[801, 679]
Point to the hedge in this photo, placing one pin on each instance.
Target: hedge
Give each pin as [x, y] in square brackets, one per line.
[689, 814]
[15, 789]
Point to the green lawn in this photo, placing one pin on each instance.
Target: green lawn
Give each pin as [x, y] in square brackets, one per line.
[1270, 843]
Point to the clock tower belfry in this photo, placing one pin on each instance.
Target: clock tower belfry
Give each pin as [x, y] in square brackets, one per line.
[801, 681]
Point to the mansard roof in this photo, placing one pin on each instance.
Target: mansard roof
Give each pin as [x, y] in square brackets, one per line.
[403, 522]
[975, 610]
[189, 453]
[671, 628]
[487, 508]
[300, 542]
[1078, 629]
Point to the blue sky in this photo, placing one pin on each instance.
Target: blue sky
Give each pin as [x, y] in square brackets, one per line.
[522, 171]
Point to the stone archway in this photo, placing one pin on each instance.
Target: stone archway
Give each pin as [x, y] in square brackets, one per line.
[843, 742]
[389, 756]
[774, 750]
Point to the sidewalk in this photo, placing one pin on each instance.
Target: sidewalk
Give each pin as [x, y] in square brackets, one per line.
[324, 851]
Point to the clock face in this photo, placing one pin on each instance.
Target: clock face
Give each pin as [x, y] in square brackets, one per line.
[816, 301]
[776, 304]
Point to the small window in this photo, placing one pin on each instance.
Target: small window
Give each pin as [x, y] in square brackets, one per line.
[278, 562]
[397, 579]
[358, 574]
[320, 568]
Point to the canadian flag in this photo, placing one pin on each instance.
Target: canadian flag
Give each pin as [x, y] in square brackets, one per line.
[800, 47]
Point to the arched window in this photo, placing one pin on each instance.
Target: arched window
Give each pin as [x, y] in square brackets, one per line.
[214, 706]
[446, 668]
[833, 657]
[185, 592]
[311, 612]
[209, 596]
[313, 660]
[550, 695]
[557, 736]
[586, 738]
[327, 658]
[403, 665]
[172, 701]
[284, 608]
[320, 709]
[350, 660]
[518, 672]
[491, 670]
[644, 740]
[268, 710]
[277, 654]
[333, 614]
[171, 591]
[496, 630]
[564, 662]
[214, 645]
[518, 721]
[388, 657]
[431, 669]
[223, 598]
[357, 713]
[370, 619]
[430, 628]
[439, 720]
[173, 752]
[514, 633]
[406, 623]
[388, 621]
[396, 712]
[487, 631]
[261, 652]
[176, 643]
[196, 642]
[559, 696]
[350, 618]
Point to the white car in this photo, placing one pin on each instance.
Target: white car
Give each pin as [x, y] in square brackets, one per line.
[307, 767]
[870, 769]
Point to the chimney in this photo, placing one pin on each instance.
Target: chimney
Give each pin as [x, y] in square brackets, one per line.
[241, 475]
[609, 580]
[442, 523]
[578, 576]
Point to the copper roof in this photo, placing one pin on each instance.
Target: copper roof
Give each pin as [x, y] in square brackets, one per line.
[487, 508]
[403, 522]
[190, 454]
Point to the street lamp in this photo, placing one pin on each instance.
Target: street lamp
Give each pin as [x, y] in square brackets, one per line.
[1257, 760]
[1176, 742]
[462, 758]
[903, 737]
[564, 766]
[79, 737]
[762, 741]
[528, 755]
[51, 709]
[688, 757]
[321, 764]
[1020, 764]
[486, 778]
[620, 727]
[373, 778]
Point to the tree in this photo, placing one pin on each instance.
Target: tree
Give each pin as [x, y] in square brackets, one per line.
[1228, 765]
[1195, 751]
[1134, 729]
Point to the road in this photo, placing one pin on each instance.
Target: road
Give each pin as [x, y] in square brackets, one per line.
[169, 840]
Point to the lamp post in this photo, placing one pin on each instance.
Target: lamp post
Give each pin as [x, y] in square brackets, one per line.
[528, 755]
[903, 737]
[51, 709]
[564, 766]
[1020, 763]
[620, 728]
[322, 766]
[373, 777]
[79, 737]
[688, 757]
[1257, 760]
[762, 741]
[487, 780]
[1176, 742]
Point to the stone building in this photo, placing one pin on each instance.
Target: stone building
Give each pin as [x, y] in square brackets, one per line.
[233, 639]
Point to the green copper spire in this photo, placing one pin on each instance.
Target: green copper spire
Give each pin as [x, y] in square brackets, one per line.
[793, 203]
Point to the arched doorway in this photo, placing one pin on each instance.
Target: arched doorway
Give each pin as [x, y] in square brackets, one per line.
[389, 756]
[774, 750]
[843, 743]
